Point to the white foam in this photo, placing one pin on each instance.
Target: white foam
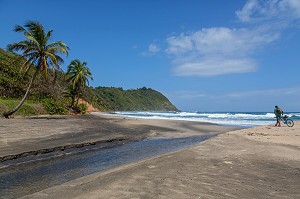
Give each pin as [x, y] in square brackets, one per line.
[237, 119]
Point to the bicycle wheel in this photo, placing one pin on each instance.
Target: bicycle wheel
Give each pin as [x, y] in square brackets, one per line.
[289, 122]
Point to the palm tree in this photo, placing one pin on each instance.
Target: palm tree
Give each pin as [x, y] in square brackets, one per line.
[78, 73]
[38, 52]
[71, 93]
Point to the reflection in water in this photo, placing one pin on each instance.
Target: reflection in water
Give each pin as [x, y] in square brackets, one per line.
[21, 179]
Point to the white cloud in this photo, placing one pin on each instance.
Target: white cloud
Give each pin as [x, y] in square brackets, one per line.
[262, 10]
[248, 10]
[217, 50]
[186, 95]
[269, 93]
[179, 44]
[220, 40]
[287, 92]
[153, 48]
[215, 66]
[222, 50]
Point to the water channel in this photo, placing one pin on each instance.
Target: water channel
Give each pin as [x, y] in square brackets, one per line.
[32, 174]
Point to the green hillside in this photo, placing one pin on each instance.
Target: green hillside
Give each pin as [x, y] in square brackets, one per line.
[142, 99]
[46, 97]
[13, 81]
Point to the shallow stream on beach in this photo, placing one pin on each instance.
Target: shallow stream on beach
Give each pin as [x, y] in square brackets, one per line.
[32, 174]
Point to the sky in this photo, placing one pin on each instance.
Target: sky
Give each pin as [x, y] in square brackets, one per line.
[204, 55]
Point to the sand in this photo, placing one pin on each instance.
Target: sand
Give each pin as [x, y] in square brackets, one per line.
[261, 162]
[42, 134]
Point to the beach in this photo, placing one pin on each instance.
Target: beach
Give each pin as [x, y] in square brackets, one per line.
[42, 134]
[258, 162]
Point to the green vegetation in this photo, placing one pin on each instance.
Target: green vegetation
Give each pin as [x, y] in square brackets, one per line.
[78, 74]
[38, 53]
[117, 99]
[11, 80]
[53, 106]
[46, 97]
[29, 107]
[29, 71]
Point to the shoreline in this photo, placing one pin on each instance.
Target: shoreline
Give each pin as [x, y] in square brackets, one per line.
[259, 162]
[29, 136]
[230, 165]
[240, 119]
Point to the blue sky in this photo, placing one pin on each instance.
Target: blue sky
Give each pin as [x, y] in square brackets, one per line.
[208, 55]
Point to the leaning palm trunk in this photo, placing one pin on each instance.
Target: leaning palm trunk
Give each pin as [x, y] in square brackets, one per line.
[37, 50]
[9, 113]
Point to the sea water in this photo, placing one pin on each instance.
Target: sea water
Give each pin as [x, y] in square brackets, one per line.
[246, 119]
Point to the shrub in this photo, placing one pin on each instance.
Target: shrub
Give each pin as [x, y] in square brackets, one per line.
[28, 108]
[54, 107]
[81, 108]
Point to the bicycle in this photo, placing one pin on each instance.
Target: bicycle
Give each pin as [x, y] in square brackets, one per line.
[286, 120]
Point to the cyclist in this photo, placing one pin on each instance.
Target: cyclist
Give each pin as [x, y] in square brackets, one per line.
[278, 113]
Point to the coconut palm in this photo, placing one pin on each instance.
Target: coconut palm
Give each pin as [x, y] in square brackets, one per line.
[79, 74]
[38, 52]
[71, 93]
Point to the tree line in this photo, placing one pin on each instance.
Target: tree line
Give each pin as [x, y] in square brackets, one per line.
[45, 58]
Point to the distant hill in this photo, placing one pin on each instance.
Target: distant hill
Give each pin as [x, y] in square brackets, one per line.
[142, 99]
[45, 94]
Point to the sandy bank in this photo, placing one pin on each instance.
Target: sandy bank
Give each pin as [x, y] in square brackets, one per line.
[21, 137]
[261, 162]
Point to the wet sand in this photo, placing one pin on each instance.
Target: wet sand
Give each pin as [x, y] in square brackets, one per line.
[261, 162]
[21, 137]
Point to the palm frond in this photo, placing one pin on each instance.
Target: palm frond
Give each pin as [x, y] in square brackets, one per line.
[35, 50]
[36, 30]
[19, 28]
[78, 73]
[58, 47]
[14, 47]
[59, 59]
[32, 39]
[48, 36]
[28, 64]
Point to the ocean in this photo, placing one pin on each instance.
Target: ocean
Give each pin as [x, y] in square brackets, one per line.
[245, 119]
